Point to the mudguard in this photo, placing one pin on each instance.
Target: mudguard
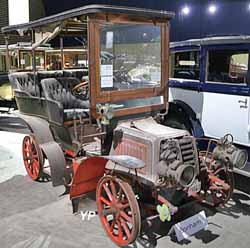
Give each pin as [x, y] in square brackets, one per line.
[40, 128]
[189, 114]
[86, 176]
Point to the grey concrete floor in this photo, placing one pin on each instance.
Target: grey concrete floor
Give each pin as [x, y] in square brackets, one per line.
[32, 215]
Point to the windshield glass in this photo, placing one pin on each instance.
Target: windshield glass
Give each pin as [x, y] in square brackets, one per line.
[130, 56]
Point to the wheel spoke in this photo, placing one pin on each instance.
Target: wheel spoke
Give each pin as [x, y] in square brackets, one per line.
[125, 228]
[105, 201]
[113, 189]
[35, 167]
[126, 217]
[108, 192]
[112, 226]
[120, 233]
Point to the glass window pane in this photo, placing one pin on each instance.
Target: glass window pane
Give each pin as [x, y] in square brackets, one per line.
[130, 56]
[185, 65]
[75, 60]
[227, 66]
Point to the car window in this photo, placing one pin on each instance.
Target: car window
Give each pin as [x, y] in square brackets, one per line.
[227, 66]
[185, 65]
[130, 56]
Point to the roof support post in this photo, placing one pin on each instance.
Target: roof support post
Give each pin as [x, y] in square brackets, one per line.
[7, 55]
[33, 40]
[62, 53]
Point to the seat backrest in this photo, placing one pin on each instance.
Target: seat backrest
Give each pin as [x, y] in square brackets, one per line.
[23, 81]
[60, 90]
[49, 74]
[75, 73]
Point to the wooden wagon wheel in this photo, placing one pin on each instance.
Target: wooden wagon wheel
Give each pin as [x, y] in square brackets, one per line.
[118, 210]
[33, 158]
[220, 182]
[221, 186]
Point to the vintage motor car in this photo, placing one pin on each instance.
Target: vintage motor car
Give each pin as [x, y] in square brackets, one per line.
[104, 132]
[209, 83]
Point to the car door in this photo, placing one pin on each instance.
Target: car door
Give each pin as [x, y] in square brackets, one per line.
[226, 92]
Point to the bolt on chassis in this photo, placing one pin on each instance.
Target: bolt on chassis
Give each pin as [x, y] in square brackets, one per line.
[100, 128]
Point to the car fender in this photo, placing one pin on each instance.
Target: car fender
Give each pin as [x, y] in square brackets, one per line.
[189, 115]
[53, 152]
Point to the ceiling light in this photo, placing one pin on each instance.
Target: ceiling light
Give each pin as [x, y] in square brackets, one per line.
[212, 9]
[185, 10]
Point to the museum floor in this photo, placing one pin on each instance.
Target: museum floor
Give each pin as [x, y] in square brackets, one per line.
[33, 215]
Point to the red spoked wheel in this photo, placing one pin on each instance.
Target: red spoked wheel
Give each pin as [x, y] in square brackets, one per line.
[221, 186]
[32, 157]
[218, 179]
[118, 210]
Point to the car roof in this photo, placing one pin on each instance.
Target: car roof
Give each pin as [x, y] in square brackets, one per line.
[216, 40]
[91, 9]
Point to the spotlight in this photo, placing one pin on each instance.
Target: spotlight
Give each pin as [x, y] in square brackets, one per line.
[212, 9]
[185, 10]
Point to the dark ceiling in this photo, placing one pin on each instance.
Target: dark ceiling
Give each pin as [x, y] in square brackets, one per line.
[201, 18]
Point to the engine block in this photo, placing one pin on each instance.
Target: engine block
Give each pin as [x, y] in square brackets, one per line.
[167, 152]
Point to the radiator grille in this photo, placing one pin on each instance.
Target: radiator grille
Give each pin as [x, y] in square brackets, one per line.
[188, 150]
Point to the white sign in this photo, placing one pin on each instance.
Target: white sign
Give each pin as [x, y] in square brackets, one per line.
[107, 82]
[107, 70]
[22, 62]
[106, 76]
[190, 226]
[109, 39]
[18, 11]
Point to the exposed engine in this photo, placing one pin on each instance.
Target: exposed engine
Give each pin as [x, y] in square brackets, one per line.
[178, 161]
[170, 154]
[229, 155]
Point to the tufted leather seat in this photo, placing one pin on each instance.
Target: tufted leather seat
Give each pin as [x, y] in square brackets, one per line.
[24, 82]
[59, 90]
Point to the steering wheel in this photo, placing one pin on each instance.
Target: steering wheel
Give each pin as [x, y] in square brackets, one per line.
[81, 90]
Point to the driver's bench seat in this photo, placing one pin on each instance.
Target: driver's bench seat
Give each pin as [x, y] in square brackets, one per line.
[63, 106]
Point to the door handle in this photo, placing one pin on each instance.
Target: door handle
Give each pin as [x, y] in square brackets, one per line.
[244, 103]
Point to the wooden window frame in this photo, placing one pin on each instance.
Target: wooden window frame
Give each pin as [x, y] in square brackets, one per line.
[100, 97]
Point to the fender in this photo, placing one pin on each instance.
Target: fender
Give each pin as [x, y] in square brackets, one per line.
[40, 128]
[178, 106]
[87, 174]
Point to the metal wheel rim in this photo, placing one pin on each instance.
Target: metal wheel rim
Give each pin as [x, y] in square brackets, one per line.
[118, 210]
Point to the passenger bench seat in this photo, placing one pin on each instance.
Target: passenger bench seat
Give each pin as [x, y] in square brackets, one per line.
[59, 90]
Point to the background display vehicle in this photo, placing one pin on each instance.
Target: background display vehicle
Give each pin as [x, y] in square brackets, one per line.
[209, 88]
[20, 59]
[72, 59]
[110, 138]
